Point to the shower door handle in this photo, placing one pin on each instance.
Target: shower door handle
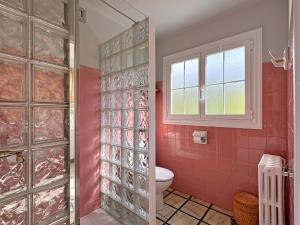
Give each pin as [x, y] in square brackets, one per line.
[19, 155]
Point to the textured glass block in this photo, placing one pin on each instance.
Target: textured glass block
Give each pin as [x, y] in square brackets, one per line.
[105, 186]
[128, 179]
[54, 11]
[141, 76]
[105, 118]
[13, 34]
[105, 50]
[105, 101]
[105, 169]
[128, 119]
[49, 85]
[116, 192]
[19, 4]
[141, 54]
[105, 151]
[115, 45]
[127, 39]
[142, 184]
[142, 140]
[12, 81]
[141, 31]
[141, 98]
[49, 202]
[116, 210]
[142, 206]
[105, 135]
[128, 138]
[115, 63]
[12, 129]
[116, 117]
[104, 83]
[129, 218]
[116, 155]
[142, 119]
[14, 212]
[12, 175]
[116, 136]
[128, 158]
[49, 164]
[128, 99]
[128, 78]
[105, 67]
[128, 198]
[116, 173]
[116, 81]
[142, 162]
[50, 45]
[127, 59]
[49, 124]
[116, 100]
[105, 202]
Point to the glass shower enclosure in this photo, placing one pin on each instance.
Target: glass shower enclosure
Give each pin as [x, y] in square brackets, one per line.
[128, 124]
[37, 47]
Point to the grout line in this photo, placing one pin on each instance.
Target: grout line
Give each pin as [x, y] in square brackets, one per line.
[182, 211]
[205, 214]
[172, 192]
[178, 209]
[200, 203]
[221, 212]
[181, 195]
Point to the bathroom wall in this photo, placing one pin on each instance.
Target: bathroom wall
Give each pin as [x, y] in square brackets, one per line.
[88, 139]
[228, 163]
[271, 15]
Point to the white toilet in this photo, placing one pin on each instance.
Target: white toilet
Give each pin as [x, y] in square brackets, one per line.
[164, 179]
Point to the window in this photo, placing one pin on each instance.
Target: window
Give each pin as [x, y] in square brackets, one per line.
[218, 84]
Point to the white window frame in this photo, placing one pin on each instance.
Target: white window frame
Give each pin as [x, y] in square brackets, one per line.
[252, 40]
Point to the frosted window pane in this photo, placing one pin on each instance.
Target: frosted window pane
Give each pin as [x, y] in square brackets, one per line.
[177, 75]
[214, 99]
[214, 68]
[235, 98]
[192, 73]
[192, 100]
[177, 101]
[234, 64]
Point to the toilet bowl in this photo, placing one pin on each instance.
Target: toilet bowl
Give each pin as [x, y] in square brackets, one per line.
[164, 179]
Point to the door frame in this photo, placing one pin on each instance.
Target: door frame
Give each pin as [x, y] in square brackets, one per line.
[296, 72]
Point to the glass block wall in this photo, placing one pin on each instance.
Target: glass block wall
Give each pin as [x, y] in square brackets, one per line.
[34, 111]
[124, 125]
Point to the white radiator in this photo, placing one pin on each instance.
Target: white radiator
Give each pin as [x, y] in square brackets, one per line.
[271, 190]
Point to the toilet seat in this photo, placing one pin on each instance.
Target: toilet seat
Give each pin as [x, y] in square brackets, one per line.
[163, 174]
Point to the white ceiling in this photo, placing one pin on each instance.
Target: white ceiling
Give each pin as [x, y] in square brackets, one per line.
[169, 15]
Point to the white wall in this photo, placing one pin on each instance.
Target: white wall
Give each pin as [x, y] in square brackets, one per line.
[271, 15]
[88, 50]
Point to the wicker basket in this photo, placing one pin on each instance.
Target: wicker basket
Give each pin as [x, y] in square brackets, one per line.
[245, 209]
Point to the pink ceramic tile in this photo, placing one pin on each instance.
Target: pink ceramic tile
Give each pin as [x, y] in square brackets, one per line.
[228, 163]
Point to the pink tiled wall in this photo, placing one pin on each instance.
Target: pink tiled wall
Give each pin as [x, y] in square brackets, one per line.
[88, 139]
[228, 163]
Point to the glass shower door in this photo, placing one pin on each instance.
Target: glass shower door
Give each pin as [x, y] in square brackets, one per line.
[36, 39]
[127, 140]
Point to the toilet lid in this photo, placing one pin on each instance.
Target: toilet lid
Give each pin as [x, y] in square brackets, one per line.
[163, 174]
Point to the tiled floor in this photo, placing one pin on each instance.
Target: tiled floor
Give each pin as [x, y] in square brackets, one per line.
[182, 209]
[98, 217]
